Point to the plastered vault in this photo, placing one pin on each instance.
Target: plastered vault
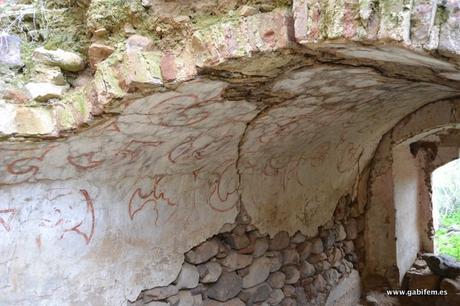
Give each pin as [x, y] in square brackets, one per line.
[103, 191]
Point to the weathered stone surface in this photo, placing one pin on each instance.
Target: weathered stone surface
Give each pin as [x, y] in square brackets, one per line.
[98, 52]
[188, 277]
[341, 234]
[209, 272]
[316, 258]
[288, 290]
[255, 294]
[334, 256]
[290, 257]
[348, 246]
[66, 60]
[247, 10]
[298, 238]
[288, 302]
[47, 74]
[452, 286]
[420, 264]
[232, 302]
[306, 269]
[203, 252]
[160, 293]
[258, 272]
[322, 266]
[317, 246]
[331, 276]
[146, 3]
[178, 68]
[227, 227]
[224, 250]
[235, 261]
[319, 283]
[277, 280]
[16, 96]
[228, 286]
[142, 69]
[276, 296]
[44, 91]
[351, 229]
[450, 32]
[243, 217]
[443, 265]
[107, 84]
[328, 237]
[304, 250]
[260, 247]
[101, 32]
[347, 292]
[261, 32]
[292, 274]
[139, 43]
[239, 229]
[156, 303]
[187, 299]
[279, 241]
[276, 260]
[422, 280]
[238, 242]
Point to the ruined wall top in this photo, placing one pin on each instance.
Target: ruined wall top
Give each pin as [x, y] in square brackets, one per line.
[65, 65]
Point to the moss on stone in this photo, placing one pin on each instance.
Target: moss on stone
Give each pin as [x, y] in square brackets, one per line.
[67, 30]
[112, 14]
[64, 118]
[441, 15]
[206, 21]
[106, 80]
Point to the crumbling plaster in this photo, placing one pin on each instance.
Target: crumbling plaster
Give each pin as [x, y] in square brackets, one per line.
[160, 168]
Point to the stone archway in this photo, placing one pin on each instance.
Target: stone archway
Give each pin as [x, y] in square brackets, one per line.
[279, 113]
[399, 212]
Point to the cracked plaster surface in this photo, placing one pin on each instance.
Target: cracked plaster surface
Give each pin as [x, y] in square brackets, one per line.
[118, 203]
[129, 196]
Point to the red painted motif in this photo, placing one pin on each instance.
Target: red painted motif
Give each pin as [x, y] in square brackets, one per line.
[140, 199]
[6, 216]
[218, 193]
[89, 221]
[28, 165]
[132, 150]
[85, 161]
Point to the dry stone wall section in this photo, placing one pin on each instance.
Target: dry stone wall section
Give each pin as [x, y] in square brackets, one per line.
[242, 266]
[110, 173]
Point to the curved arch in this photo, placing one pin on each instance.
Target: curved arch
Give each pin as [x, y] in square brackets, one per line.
[388, 216]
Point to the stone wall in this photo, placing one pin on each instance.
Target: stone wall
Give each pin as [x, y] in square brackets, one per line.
[138, 139]
[242, 266]
[431, 280]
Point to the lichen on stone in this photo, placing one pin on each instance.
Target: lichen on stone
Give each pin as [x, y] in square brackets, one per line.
[112, 14]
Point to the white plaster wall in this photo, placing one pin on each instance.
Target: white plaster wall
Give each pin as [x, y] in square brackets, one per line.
[380, 214]
[406, 201]
[305, 153]
[97, 217]
[94, 219]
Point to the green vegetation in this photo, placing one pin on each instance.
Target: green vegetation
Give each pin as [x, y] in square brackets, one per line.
[448, 235]
[113, 14]
[50, 23]
[446, 200]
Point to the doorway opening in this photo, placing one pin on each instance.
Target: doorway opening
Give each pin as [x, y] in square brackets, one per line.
[446, 209]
